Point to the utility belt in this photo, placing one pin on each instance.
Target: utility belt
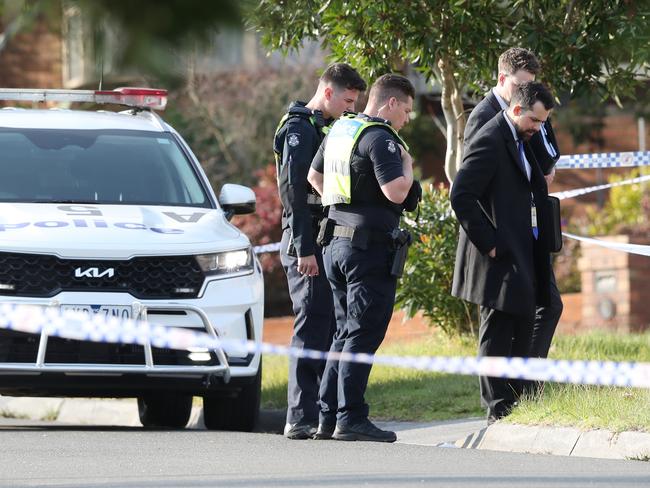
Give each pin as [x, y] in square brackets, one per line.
[397, 239]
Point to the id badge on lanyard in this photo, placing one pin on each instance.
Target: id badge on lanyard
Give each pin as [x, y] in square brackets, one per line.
[533, 218]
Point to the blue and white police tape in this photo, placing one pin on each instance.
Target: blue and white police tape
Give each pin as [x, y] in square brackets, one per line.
[563, 195]
[71, 325]
[273, 247]
[605, 160]
[640, 249]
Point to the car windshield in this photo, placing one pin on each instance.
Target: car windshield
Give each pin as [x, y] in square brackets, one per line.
[96, 166]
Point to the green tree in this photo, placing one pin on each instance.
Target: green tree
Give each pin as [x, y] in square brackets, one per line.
[429, 268]
[598, 46]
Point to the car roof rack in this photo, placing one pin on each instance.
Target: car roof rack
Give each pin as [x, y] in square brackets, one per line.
[139, 98]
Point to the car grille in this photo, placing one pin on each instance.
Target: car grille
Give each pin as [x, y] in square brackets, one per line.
[21, 347]
[39, 275]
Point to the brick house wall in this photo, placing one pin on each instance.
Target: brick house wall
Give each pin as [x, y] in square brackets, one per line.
[619, 134]
[33, 57]
[585, 311]
[614, 288]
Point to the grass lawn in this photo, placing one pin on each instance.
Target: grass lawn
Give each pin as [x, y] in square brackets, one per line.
[590, 407]
[396, 393]
[587, 407]
[401, 394]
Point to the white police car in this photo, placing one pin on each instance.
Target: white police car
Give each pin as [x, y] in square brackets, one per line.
[110, 213]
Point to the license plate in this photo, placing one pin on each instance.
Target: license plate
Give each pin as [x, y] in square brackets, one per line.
[106, 311]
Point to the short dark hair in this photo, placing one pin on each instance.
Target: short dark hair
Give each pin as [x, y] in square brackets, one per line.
[343, 76]
[528, 94]
[391, 85]
[517, 58]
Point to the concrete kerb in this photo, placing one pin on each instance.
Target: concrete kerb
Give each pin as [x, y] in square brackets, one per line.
[30, 408]
[462, 433]
[560, 441]
[82, 411]
[104, 412]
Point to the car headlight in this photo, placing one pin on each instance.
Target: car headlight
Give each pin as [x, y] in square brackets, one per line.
[238, 261]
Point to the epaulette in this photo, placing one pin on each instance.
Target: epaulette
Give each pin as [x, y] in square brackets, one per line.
[300, 111]
[316, 117]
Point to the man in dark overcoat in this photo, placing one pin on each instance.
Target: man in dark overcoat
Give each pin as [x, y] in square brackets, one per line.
[503, 259]
[518, 65]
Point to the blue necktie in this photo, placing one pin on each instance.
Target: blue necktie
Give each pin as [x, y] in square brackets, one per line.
[522, 156]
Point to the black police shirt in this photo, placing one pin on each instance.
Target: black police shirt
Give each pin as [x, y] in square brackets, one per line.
[377, 148]
[300, 142]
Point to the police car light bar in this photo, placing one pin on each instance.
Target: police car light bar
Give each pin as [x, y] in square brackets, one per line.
[150, 98]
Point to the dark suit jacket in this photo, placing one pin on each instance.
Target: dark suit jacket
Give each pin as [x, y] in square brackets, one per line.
[491, 196]
[488, 108]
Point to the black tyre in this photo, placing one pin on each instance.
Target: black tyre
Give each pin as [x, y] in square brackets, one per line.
[235, 413]
[165, 410]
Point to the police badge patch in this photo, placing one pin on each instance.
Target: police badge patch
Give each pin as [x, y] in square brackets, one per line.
[293, 139]
[391, 146]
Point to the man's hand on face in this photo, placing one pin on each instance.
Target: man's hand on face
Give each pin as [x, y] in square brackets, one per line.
[493, 253]
[307, 265]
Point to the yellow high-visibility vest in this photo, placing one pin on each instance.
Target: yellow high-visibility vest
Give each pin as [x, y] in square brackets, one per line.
[342, 140]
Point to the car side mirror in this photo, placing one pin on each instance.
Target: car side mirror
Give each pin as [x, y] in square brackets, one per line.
[236, 200]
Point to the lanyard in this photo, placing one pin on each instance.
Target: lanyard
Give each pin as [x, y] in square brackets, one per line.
[533, 217]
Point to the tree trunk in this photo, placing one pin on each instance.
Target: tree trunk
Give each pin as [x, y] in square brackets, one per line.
[452, 107]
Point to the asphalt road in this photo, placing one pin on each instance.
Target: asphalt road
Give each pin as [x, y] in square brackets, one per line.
[47, 454]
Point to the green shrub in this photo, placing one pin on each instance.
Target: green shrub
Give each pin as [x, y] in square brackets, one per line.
[426, 284]
[626, 210]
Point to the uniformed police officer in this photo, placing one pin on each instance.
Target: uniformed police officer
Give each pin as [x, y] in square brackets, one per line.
[364, 173]
[297, 139]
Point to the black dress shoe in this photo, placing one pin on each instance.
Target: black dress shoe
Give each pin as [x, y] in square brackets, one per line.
[300, 431]
[363, 431]
[324, 432]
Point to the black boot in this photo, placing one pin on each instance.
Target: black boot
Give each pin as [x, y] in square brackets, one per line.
[300, 431]
[363, 431]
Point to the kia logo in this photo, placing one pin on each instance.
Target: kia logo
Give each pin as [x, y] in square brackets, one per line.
[94, 273]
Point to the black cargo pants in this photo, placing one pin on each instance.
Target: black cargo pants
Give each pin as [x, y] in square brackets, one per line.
[313, 329]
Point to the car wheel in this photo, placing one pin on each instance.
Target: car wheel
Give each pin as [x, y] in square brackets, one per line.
[165, 410]
[235, 413]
